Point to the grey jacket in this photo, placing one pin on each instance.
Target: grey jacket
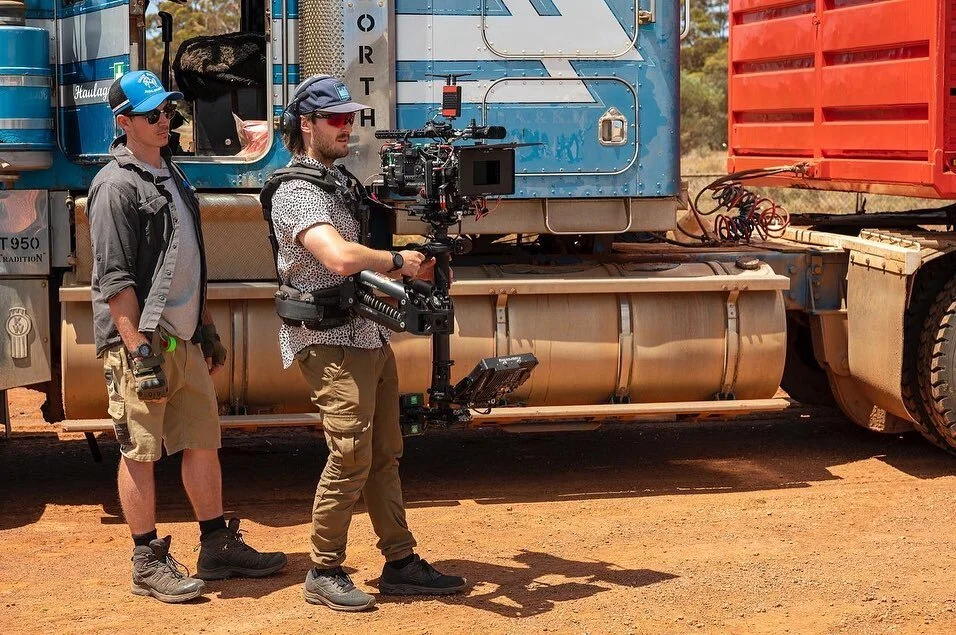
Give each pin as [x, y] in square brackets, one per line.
[131, 227]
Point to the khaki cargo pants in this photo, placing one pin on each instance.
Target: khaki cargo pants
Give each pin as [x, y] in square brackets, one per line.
[356, 390]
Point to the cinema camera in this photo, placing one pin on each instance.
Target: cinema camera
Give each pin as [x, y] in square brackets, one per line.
[440, 183]
[450, 181]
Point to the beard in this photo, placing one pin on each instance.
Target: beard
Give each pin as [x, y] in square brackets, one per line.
[328, 148]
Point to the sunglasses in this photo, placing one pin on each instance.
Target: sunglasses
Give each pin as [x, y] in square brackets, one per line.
[336, 119]
[153, 115]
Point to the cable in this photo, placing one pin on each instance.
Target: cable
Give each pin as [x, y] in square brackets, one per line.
[741, 214]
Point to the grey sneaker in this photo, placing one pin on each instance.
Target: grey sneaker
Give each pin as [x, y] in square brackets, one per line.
[334, 588]
[419, 578]
[157, 573]
[224, 554]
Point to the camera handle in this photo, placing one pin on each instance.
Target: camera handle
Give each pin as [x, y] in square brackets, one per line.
[422, 308]
[441, 247]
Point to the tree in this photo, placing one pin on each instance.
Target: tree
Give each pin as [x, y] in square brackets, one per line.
[704, 78]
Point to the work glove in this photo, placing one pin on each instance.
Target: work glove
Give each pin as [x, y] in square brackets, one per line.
[149, 378]
[211, 345]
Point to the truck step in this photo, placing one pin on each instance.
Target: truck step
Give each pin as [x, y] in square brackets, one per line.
[227, 421]
[533, 416]
[539, 415]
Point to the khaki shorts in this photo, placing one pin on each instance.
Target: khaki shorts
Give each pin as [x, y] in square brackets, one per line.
[188, 419]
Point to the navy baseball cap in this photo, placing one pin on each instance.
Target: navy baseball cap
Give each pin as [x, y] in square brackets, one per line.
[138, 92]
[325, 94]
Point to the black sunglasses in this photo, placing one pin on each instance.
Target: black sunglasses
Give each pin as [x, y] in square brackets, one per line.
[153, 115]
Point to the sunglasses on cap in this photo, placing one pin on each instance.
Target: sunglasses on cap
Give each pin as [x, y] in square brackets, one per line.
[153, 115]
[336, 119]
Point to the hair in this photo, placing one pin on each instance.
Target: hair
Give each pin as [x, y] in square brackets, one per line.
[293, 138]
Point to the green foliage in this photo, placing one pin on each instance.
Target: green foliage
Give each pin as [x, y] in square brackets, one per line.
[703, 113]
[704, 78]
[708, 32]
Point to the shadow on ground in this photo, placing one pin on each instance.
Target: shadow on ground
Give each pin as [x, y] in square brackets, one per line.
[293, 574]
[270, 477]
[535, 584]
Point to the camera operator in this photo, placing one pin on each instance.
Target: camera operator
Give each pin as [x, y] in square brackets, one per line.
[320, 224]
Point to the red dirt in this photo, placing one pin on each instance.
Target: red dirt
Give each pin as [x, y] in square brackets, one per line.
[795, 523]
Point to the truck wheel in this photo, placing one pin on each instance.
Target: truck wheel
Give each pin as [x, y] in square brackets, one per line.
[929, 283]
[936, 368]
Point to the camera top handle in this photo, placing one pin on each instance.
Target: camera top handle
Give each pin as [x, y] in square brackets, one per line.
[444, 130]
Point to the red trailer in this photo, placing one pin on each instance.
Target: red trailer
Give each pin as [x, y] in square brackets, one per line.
[863, 91]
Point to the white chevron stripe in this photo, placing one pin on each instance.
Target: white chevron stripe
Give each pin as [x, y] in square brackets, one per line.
[452, 37]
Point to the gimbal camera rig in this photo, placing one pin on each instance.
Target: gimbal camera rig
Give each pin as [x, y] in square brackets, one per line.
[448, 182]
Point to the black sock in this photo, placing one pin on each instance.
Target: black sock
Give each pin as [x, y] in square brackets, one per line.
[143, 540]
[398, 564]
[206, 527]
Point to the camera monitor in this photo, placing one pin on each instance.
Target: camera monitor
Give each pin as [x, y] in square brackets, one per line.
[486, 171]
[494, 378]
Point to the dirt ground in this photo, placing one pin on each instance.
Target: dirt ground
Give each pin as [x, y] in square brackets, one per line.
[793, 523]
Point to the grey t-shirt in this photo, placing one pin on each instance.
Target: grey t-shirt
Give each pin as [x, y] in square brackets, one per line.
[181, 313]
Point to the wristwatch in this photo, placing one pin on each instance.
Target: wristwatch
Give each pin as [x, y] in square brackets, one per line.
[397, 261]
[143, 350]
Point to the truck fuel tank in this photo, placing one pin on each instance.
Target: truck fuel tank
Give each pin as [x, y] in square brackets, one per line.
[639, 332]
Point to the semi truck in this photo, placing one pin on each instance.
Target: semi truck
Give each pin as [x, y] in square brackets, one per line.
[636, 300]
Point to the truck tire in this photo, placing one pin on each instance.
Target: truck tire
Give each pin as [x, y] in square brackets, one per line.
[936, 368]
[928, 285]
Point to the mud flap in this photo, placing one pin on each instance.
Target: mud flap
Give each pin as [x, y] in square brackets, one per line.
[876, 304]
[24, 332]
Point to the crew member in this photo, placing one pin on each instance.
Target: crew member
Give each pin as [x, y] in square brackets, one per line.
[158, 343]
[319, 222]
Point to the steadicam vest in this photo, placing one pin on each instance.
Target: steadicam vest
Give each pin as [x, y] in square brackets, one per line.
[316, 309]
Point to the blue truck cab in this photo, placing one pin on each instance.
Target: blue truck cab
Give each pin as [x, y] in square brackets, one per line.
[590, 90]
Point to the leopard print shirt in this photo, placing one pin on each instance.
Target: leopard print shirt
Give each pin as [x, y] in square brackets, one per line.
[297, 206]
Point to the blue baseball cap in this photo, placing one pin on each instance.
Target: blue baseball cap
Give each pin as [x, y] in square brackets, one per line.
[325, 94]
[139, 92]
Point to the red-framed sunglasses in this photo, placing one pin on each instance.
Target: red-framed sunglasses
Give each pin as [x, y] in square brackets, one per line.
[336, 119]
[153, 115]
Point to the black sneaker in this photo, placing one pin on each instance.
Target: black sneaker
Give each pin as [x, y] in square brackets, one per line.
[224, 554]
[418, 578]
[157, 573]
[334, 588]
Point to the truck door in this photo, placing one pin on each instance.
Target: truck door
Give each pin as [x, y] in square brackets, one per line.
[89, 46]
[26, 145]
[93, 47]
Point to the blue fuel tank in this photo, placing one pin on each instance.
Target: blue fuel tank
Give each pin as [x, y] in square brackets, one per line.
[26, 113]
